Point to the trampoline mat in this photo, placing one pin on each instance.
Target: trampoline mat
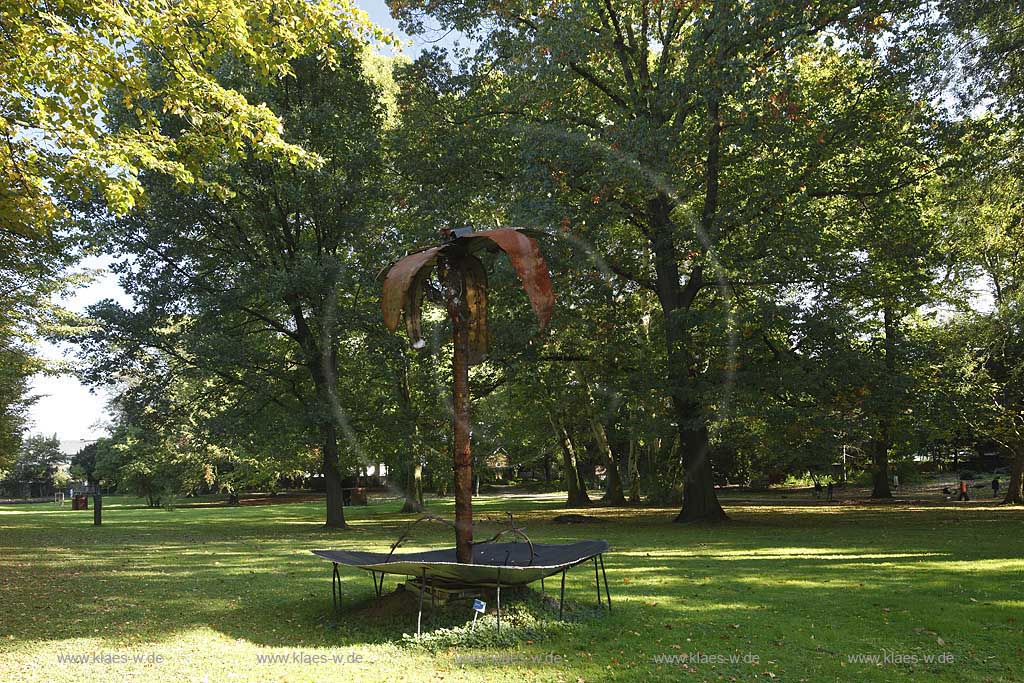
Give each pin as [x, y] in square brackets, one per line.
[509, 563]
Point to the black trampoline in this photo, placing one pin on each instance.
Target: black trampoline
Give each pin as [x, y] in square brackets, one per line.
[494, 565]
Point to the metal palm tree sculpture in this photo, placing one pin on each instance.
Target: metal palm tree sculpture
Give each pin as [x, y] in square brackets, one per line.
[462, 288]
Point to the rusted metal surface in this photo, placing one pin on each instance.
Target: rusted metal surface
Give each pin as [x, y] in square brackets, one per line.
[529, 264]
[464, 283]
[405, 280]
[455, 278]
[412, 304]
[397, 284]
[476, 305]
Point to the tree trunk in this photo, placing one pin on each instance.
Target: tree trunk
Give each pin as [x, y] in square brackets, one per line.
[1014, 494]
[614, 493]
[332, 475]
[412, 483]
[880, 466]
[459, 314]
[414, 488]
[613, 480]
[881, 445]
[581, 479]
[322, 363]
[700, 502]
[634, 472]
[577, 493]
[324, 378]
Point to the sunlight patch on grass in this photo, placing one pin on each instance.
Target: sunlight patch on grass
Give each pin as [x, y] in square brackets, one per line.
[1007, 565]
[829, 554]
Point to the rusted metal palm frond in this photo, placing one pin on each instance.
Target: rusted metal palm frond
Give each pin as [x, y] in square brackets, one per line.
[412, 304]
[398, 285]
[407, 279]
[529, 264]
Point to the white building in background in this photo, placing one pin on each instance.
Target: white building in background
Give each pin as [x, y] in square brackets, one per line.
[69, 447]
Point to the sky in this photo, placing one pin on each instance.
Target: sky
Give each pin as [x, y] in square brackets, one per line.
[68, 408]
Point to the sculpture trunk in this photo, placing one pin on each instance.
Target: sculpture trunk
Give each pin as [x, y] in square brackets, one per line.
[460, 414]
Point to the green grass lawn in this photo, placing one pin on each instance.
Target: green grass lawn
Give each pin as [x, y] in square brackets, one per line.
[803, 588]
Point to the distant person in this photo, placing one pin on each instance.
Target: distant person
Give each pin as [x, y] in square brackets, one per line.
[831, 488]
[963, 491]
[895, 481]
[995, 487]
[817, 489]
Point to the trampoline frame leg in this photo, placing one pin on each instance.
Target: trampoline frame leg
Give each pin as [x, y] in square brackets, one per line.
[336, 588]
[597, 582]
[607, 593]
[433, 602]
[419, 616]
[561, 599]
[499, 601]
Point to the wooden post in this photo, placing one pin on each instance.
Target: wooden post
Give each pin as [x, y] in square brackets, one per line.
[97, 508]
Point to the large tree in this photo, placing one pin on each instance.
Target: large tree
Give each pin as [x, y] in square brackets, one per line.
[65, 66]
[984, 207]
[34, 269]
[262, 288]
[69, 68]
[690, 142]
[39, 458]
